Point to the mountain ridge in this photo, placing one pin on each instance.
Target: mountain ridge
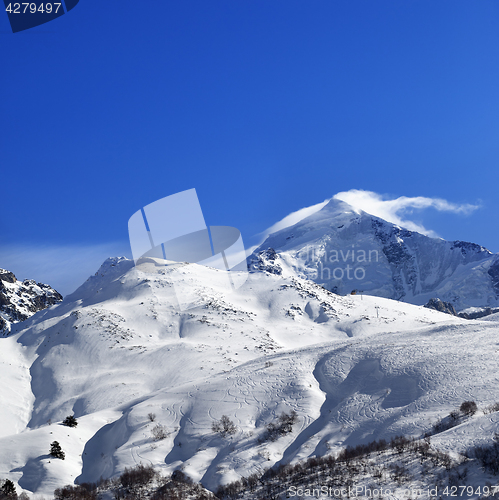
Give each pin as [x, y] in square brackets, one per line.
[150, 383]
[346, 249]
[20, 300]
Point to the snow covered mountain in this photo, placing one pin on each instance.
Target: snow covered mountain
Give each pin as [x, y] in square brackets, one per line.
[344, 249]
[20, 300]
[148, 382]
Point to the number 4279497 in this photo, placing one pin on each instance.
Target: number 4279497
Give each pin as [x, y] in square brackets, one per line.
[32, 8]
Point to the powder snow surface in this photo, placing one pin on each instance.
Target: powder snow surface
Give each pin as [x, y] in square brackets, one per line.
[354, 368]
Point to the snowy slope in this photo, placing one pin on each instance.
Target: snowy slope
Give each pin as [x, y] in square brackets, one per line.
[354, 369]
[15, 388]
[344, 249]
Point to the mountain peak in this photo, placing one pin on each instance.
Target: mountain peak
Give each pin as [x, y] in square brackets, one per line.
[335, 206]
[344, 249]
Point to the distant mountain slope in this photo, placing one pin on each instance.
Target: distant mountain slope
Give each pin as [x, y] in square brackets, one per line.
[20, 300]
[344, 249]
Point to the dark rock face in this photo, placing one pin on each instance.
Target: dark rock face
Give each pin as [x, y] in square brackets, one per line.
[406, 252]
[494, 275]
[20, 300]
[439, 305]
[267, 261]
[485, 311]
[7, 276]
[470, 249]
[4, 301]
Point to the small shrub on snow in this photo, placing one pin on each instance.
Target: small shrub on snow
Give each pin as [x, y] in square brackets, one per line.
[75, 492]
[491, 408]
[138, 477]
[180, 477]
[8, 490]
[225, 426]
[468, 408]
[137, 483]
[70, 421]
[56, 451]
[488, 456]
[159, 432]
[283, 426]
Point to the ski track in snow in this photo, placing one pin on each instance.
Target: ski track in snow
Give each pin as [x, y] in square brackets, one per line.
[374, 369]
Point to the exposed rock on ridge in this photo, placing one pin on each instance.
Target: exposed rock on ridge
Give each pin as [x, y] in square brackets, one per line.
[21, 299]
[440, 305]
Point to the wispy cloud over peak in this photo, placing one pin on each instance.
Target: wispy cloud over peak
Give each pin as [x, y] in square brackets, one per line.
[398, 210]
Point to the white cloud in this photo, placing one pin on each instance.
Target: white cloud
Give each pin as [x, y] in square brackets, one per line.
[398, 210]
[63, 267]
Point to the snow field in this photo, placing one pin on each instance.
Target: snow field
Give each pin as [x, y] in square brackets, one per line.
[354, 369]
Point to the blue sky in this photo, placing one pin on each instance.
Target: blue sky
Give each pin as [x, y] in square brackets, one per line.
[263, 106]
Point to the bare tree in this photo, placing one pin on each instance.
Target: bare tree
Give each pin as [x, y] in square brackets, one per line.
[159, 432]
[224, 426]
[468, 408]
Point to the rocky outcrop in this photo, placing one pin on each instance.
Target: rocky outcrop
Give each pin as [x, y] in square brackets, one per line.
[448, 308]
[479, 313]
[7, 276]
[494, 275]
[440, 305]
[21, 299]
[267, 261]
